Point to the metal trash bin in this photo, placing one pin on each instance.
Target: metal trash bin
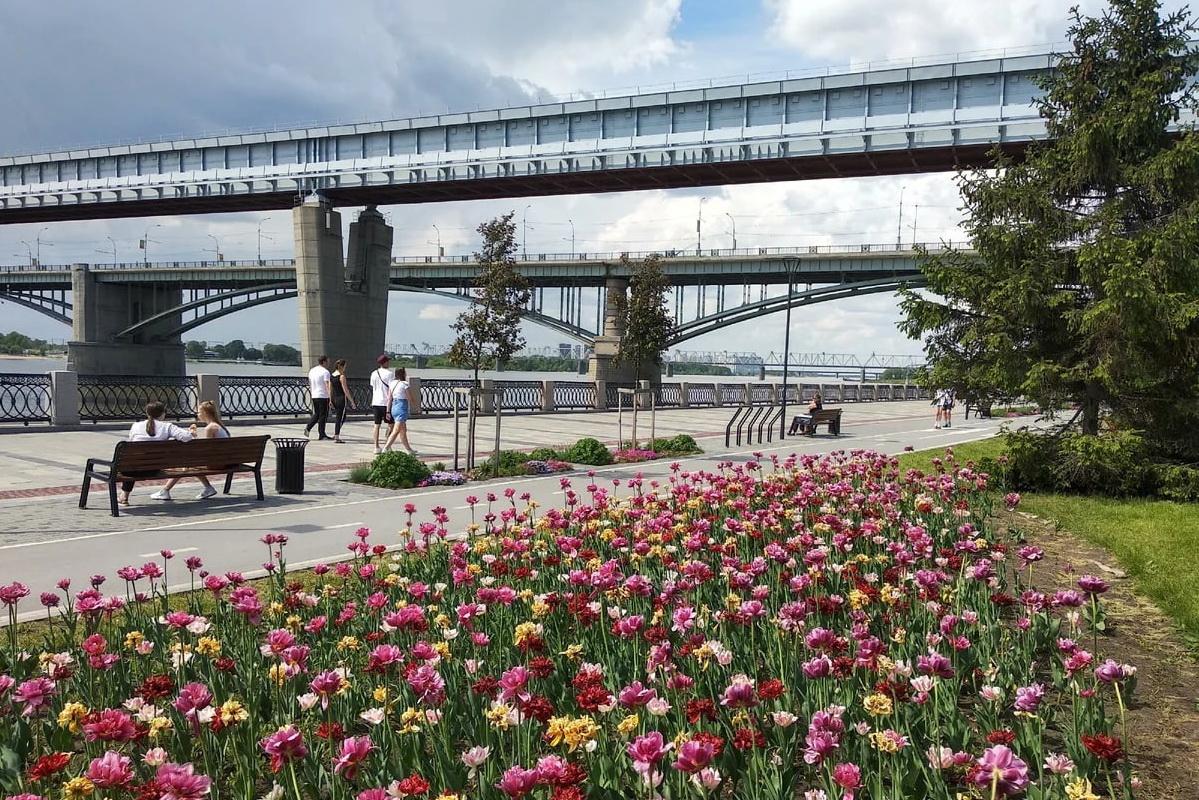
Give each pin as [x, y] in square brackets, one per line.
[289, 466]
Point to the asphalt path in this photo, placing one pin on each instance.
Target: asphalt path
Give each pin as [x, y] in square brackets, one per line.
[319, 532]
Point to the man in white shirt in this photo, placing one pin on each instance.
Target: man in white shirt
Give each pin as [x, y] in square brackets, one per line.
[381, 380]
[320, 384]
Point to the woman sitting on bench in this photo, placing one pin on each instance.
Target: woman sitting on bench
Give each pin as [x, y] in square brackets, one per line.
[152, 429]
[803, 422]
[208, 427]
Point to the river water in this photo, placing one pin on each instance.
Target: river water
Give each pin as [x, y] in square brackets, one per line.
[9, 364]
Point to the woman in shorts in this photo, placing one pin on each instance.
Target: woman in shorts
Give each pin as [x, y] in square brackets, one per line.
[400, 403]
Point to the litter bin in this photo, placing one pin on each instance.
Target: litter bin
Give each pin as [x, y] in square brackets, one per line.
[289, 466]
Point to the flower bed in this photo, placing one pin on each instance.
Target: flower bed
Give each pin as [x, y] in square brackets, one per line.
[549, 466]
[819, 628]
[444, 477]
[631, 455]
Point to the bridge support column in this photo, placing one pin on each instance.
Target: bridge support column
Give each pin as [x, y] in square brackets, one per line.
[101, 310]
[602, 365]
[343, 304]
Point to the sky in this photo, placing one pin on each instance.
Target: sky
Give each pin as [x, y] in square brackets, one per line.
[130, 70]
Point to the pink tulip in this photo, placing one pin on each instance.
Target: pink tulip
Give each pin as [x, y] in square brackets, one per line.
[646, 751]
[179, 782]
[110, 771]
[694, 756]
[354, 750]
[285, 744]
[517, 781]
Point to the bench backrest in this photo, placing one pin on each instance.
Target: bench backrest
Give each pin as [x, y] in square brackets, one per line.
[826, 413]
[146, 456]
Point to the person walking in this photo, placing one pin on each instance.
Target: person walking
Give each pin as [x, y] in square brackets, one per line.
[320, 387]
[938, 396]
[381, 380]
[341, 399]
[947, 402]
[152, 429]
[400, 396]
[208, 426]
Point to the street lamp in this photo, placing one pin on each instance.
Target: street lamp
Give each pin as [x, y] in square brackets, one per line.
[572, 237]
[440, 251]
[112, 242]
[39, 244]
[145, 244]
[733, 222]
[217, 247]
[791, 265]
[699, 225]
[264, 219]
[899, 227]
[524, 233]
[29, 250]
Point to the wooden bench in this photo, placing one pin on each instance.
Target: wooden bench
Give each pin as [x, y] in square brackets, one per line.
[141, 461]
[807, 423]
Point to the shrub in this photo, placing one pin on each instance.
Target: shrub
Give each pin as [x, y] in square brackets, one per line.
[1178, 482]
[675, 445]
[632, 455]
[397, 470]
[1113, 464]
[588, 451]
[545, 454]
[1031, 456]
[360, 473]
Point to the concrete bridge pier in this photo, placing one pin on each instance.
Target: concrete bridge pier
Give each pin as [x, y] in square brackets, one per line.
[342, 305]
[101, 310]
[602, 365]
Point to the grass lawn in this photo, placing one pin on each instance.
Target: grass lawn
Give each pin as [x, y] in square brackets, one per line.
[1155, 541]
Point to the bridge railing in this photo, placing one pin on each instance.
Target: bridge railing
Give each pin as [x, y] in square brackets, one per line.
[25, 398]
[94, 398]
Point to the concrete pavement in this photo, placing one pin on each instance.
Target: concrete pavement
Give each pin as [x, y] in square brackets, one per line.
[45, 538]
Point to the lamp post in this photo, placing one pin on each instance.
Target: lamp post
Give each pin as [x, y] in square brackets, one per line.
[899, 226]
[145, 244]
[217, 247]
[114, 249]
[572, 237]
[791, 264]
[524, 233]
[39, 244]
[699, 227]
[733, 222]
[437, 233]
[264, 219]
[29, 250]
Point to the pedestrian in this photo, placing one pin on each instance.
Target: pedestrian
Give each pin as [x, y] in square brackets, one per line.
[400, 396]
[938, 396]
[381, 380]
[151, 429]
[320, 387]
[342, 399]
[947, 402]
[208, 425]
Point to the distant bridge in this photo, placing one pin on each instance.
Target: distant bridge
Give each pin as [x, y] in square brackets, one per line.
[715, 289]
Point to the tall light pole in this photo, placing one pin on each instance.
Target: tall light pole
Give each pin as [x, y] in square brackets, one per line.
[899, 227]
[437, 231]
[524, 233]
[145, 244]
[39, 244]
[114, 249]
[791, 264]
[29, 250]
[915, 219]
[264, 219]
[217, 247]
[572, 237]
[734, 224]
[699, 227]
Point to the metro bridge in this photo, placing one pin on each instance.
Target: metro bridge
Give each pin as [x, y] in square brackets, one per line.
[718, 288]
[888, 120]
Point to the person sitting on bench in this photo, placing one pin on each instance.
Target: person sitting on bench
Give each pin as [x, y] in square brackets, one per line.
[153, 428]
[803, 422]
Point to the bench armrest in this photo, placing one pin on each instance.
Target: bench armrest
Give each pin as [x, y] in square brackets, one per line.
[100, 462]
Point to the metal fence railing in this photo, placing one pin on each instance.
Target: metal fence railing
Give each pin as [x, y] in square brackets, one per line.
[574, 395]
[437, 395]
[124, 397]
[24, 398]
[520, 395]
[701, 394]
[264, 396]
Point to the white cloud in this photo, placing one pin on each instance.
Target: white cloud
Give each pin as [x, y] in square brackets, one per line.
[855, 30]
[439, 312]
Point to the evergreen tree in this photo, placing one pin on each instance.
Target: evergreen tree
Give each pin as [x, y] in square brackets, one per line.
[1084, 285]
[489, 331]
[647, 324]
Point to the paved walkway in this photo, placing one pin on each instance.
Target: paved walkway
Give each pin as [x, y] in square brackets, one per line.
[46, 537]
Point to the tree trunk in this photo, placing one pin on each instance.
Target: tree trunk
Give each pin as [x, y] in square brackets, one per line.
[1090, 410]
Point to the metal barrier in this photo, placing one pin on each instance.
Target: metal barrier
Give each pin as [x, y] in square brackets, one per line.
[24, 398]
[437, 395]
[701, 394]
[104, 397]
[668, 394]
[272, 395]
[612, 392]
[574, 395]
[519, 395]
[751, 419]
[731, 393]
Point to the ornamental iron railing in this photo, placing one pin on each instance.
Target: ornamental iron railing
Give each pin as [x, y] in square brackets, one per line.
[437, 395]
[574, 395]
[701, 394]
[520, 395]
[668, 395]
[24, 398]
[108, 397]
[264, 396]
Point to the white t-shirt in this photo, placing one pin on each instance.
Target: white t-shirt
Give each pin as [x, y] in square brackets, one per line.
[163, 431]
[381, 386]
[399, 391]
[318, 382]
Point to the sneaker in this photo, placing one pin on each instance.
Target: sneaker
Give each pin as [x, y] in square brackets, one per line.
[412, 452]
[161, 494]
[209, 491]
[378, 450]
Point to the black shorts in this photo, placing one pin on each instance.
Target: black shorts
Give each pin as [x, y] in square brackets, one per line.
[380, 413]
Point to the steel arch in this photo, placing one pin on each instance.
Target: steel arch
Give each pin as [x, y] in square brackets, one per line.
[275, 291]
[565, 328]
[52, 307]
[823, 294]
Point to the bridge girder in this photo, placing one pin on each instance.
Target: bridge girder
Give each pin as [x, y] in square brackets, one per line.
[55, 308]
